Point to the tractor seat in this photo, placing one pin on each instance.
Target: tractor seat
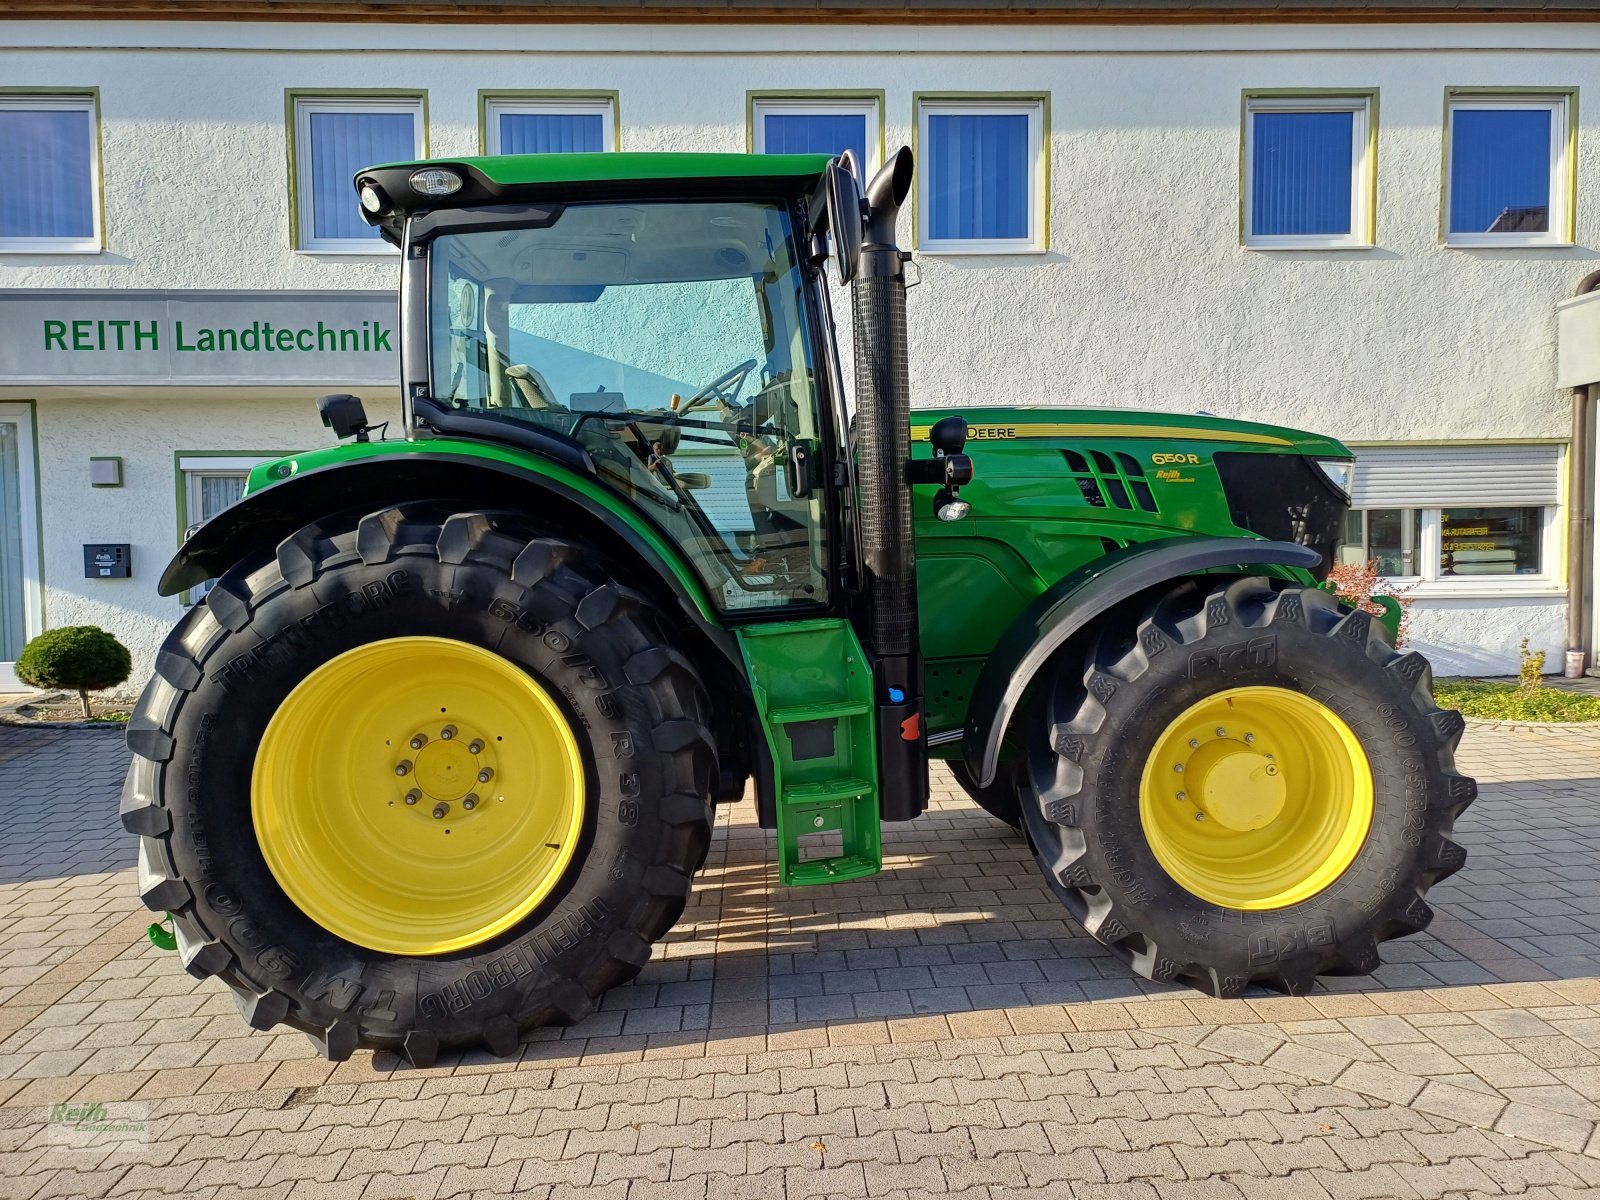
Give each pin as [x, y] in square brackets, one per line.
[532, 387]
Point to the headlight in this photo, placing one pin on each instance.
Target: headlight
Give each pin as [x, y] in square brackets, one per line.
[373, 199]
[1338, 471]
[435, 181]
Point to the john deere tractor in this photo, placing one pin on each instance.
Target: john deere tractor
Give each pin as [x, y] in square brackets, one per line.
[434, 761]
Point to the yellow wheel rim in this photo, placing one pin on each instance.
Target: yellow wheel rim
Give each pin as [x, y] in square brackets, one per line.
[418, 795]
[1256, 798]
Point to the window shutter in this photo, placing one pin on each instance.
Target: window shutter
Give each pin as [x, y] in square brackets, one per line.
[1468, 476]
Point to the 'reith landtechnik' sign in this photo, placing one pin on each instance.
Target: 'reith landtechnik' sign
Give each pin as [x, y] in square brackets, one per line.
[69, 338]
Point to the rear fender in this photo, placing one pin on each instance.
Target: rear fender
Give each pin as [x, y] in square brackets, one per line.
[1075, 601]
[257, 524]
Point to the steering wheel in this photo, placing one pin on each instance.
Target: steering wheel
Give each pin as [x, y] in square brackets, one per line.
[722, 389]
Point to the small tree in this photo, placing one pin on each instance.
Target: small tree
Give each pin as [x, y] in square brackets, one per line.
[84, 658]
[1530, 674]
[1357, 583]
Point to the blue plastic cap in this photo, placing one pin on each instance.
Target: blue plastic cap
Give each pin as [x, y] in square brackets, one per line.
[896, 696]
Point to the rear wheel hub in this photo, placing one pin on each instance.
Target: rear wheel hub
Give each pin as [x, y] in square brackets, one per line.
[418, 795]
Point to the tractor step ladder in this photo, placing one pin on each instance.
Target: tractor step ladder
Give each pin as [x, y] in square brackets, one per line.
[813, 688]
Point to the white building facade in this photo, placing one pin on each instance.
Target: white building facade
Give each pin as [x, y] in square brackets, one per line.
[1360, 228]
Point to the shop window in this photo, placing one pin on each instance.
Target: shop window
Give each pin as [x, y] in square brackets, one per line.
[334, 137]
[817, 125]
[1508, 170]
[50, 189]
[1309, 164]
[549, 124]
[208, 484]
[1462, 547]
[981, 181]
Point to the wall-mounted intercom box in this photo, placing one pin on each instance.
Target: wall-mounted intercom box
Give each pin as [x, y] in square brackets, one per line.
[107, 560]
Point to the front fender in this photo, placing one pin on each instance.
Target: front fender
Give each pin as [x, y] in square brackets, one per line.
[1073, 602]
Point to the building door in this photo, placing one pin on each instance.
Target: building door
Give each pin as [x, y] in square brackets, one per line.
[20, 615]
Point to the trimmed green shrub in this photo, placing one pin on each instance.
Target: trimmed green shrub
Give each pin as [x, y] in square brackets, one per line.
[84, 658]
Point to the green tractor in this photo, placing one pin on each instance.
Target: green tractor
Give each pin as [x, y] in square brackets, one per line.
[434, 761]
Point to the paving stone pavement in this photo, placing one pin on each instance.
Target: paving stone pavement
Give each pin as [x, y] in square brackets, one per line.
[942, 1028]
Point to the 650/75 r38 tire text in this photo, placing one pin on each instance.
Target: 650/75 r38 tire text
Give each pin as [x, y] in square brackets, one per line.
[1250, 784]
[419, 784]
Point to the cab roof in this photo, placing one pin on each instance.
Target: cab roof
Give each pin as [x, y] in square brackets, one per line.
[513, 178]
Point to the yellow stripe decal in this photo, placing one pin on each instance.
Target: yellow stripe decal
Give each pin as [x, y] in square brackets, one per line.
[994, 433]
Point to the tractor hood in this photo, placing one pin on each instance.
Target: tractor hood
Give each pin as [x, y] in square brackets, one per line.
[1131, 476]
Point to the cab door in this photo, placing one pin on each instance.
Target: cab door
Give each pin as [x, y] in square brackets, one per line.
[20, 601]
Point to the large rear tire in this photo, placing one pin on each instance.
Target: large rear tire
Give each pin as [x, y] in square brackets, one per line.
[421, 784]
[1250, 785]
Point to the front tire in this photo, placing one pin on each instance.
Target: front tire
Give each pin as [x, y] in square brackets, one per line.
[1250, 785]
[304, 846]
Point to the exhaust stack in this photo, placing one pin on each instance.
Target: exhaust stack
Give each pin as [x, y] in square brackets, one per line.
[883, 442]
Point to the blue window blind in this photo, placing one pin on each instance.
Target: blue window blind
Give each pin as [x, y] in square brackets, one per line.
[552, 133]
[1300, 179]
[341, 144]
[978, 176]
[1500, 171]
[47, 188]
[815, 133]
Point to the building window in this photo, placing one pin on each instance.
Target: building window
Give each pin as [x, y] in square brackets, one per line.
[981, 182]
[50, 188]
[1458, 518]
[549, 124]
[334, 137]
[1309, 167]
[818, 125]
[1508, 170]
[209, 483]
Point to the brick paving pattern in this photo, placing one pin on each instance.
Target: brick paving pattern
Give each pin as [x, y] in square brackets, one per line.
[940, 1029]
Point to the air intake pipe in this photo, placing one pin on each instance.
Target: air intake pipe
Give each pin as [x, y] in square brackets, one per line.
[883, 445]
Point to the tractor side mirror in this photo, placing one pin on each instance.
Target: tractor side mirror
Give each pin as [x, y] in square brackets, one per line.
[842, 187]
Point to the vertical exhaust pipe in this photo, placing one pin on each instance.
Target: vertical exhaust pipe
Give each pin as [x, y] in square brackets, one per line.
[883, 443]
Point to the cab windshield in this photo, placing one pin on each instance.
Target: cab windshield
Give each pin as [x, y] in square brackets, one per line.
[671, 341]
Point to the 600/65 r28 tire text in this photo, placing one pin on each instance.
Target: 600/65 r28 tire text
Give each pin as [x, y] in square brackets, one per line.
[481, 788]
[1250, 784]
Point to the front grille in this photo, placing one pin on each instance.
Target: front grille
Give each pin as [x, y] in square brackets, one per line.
[1284, 497]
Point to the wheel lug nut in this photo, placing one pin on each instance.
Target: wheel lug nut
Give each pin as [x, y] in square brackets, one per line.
[1199, 816]
[1221, 732]
[1183, 795]
[440, 810]
[448, 732]
[1249, 738]
[1194, 743]
[469, 802]
[413, 796]
[418, 742]
[475, 747]
[403, 767]
[485, 775]
[1178, 767]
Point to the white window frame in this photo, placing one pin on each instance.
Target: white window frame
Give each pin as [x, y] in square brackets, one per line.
[89, 103]
[191, 467]
[306, 241]
[1559, 107]
[1034, 109]
[1429, 584]
[28, 515]
[1362, 171]
[494, 107]
[866, 107]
